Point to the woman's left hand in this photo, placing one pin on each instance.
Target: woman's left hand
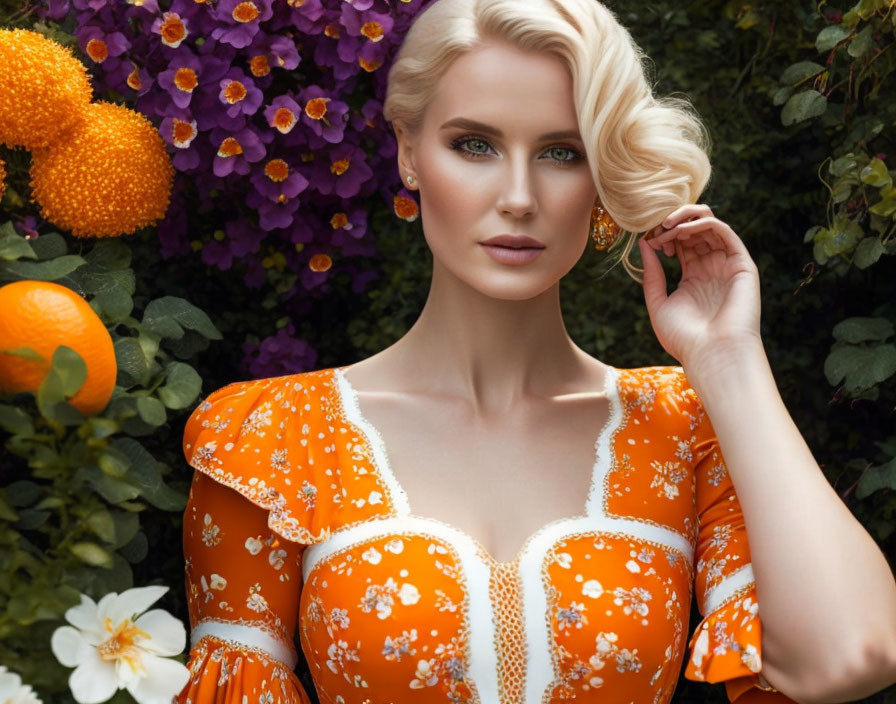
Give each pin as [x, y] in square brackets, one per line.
[715, 308]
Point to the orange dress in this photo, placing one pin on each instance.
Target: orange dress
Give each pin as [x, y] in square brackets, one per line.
[296, 521]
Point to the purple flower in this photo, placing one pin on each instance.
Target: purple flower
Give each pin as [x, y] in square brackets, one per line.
[342, 171]
[283, 113]
[244, 238]
[239, 20]
[101, 46]
[172, 28]
[239, 93]
[324, 115]
[236, 151]
[280, 354]
[277, 181]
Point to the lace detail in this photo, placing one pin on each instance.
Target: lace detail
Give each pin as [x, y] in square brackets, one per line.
[256, 636]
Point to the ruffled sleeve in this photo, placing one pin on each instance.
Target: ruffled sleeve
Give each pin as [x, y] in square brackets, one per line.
[727, 644]
[246, 526]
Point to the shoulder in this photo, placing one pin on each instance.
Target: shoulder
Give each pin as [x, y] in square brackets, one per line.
[665, 385]
[248, 406]
[260, 437]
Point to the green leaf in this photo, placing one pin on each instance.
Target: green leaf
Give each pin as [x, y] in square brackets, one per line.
[67, 375]
[42, 271]
[855, 330]
[843, 164]
[781, 95]
[131, 362]
[830, 36]
[167, 316]
[860, 368]
[6, 512]
[112, 489]
[876, 174]
[136, 550]
[868, 252]
[50, 245]
[182, 386]
[102, 525]
[92, 554]
[799, 72]
[151, 410]
[13, 246]
[146, 475]
[861, 43]
[113, 461]
[15, 421]
[22, 493]
[882, 476]
[113, 306]
[803, 106]
[25, 353]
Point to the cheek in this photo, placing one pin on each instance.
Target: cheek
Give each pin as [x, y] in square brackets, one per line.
[455, 191]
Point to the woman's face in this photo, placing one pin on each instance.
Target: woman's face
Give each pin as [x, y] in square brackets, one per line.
[499, 153]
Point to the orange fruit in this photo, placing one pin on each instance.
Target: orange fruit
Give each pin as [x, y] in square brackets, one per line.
[43, 315]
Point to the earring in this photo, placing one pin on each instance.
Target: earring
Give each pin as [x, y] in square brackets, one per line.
[411, 180]
[604, 230]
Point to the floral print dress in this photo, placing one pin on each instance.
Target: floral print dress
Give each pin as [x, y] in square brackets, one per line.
[297, 533]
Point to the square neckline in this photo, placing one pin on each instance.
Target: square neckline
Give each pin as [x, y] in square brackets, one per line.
[400, 502]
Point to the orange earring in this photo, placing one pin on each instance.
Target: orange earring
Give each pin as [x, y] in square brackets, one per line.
[604, 230]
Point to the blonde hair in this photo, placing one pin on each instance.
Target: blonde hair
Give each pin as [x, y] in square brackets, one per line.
[648, 155]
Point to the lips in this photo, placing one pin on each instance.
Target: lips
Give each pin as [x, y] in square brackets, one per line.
[514, 242]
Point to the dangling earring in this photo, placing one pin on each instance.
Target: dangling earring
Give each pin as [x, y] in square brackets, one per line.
[604, 230]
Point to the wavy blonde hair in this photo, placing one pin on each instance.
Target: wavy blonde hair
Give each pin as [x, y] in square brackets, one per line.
[648, 155]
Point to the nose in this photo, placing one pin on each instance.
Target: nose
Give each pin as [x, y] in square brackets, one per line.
[517, 196]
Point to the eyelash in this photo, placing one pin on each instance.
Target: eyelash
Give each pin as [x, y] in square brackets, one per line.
[456, 145]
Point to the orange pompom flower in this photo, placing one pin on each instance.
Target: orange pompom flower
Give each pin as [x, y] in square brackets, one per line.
[109, 176]
[44, 89]
[2, 178]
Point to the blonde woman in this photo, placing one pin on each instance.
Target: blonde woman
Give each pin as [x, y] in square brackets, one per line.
[483, 512]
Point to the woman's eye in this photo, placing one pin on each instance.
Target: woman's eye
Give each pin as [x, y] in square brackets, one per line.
[471, 145]
[563, 154]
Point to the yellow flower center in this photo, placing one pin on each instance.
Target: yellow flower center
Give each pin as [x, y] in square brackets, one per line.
[173, 30]
[369, 66]
[185, 79]
[320, 262]
[277, 170]
[259, 65]
[373, 31]
[405, 208]
[281, 198]
[122, 644]
[339, 167]
[133, 80]
[316, 108]
[245, 12]
[284, 119]
[234, 92]
[332, 31]
[182, 131]
[230, 147]
[97, 50]
[338, 221]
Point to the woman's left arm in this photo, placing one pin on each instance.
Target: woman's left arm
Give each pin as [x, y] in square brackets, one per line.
[826, 594]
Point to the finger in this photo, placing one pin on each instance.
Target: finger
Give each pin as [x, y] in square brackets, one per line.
[654, 277]
[685, 212]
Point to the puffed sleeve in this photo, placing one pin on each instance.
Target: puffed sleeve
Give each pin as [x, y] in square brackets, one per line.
[243, 576]
[727, 644]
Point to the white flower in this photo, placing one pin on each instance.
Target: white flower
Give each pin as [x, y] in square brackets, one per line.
[12, 691]
[114, 645]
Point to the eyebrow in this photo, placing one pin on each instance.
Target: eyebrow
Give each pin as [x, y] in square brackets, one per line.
[465, 123]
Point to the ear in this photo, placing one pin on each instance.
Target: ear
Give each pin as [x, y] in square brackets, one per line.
[406, 153]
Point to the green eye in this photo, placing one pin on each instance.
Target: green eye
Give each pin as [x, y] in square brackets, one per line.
[557, 154]
[481, 148]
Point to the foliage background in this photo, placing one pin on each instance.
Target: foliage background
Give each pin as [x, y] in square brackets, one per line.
[800, 101]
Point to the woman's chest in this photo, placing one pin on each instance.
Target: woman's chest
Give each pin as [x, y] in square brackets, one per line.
[402, 602]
